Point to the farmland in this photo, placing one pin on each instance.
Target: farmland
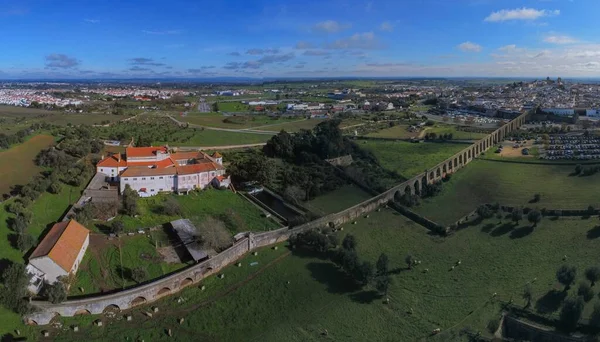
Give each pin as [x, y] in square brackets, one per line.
[396, 132]
[233, 122]
[485, 181]
[337, 200]
[17, 165]
[300, 296]
[214, 138]
[457, 134]
[410, 159]
[294, 126]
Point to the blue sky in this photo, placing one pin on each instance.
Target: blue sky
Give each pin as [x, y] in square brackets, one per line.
[259, 38]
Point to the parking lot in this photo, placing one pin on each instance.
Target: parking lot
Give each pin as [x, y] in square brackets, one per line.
[572, 147]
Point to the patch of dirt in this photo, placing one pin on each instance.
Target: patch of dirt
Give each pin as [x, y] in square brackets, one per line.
[169, 254]
[511, 152]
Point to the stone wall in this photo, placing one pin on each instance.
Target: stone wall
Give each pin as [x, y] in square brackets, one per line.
[340, 161]
[154, 290]
[525, 331]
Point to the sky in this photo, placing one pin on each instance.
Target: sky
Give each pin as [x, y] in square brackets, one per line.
[292, 38]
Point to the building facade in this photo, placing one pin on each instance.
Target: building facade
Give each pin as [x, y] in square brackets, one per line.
[151, 170]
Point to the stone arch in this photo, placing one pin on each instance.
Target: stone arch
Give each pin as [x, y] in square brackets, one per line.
[469, 154]
[444, 170]
[82, 312]
[31, 322]
[438, 172]
[455, 162]
[186, 282]
[450, 167]
[460, 159]
[424, 180]
[417, 187]
[112, 307]
[431, 175]
[165, 290]
[408, 190]
[138, 301]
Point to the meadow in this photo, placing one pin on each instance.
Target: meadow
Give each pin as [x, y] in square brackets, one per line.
[299, 296]
[457, 134]
[410, 159]
[294, 126]
[337, 200]
[486, 181]
[233, 107]
[233, 122]
[239, 214]
[396, 132]
[207, 138]
[17, 166]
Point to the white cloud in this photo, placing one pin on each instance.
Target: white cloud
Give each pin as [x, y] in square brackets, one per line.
[329, 26]
[91, 21]
[560, 39]
[386, 26]
[364, 41]
[507, 48]
[162, 32]
[520, 14]
[469, 47]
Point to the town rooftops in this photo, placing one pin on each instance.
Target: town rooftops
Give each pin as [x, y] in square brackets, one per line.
[62, 244]
[141, 152]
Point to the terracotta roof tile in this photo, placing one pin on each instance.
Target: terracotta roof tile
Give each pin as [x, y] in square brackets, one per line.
[62, 244]
[142, 171]
[198, 168]
[113, 161]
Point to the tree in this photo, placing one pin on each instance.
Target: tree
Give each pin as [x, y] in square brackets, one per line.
[15, 280]
[25, 241]
[363, 273]
[171, 207]
[566, 275]
[593, 274]
[214, 234]
[56, 293]
[55, 187]
[349, 243]
[534, 217]
[139, 274]
[516, 215]
[130, 198]
[528, 294]
[382, 264]
[570, 314]
[215, 107]
[117, 227]
[409, 261]
[585, 291]
[484, 212]
[578, 169]
[595, 317]
[537, 197]
[382, 284]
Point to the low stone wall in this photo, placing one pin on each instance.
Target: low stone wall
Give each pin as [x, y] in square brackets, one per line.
[341, 161]
[154, 290]
[524, 331]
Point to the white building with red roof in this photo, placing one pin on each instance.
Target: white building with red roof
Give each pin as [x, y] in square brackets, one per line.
[151, 170]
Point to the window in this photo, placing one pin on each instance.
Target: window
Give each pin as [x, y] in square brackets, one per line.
[101, 170]
[143, 178]
[151, 177]
[160, 189]
[151, 190]
[135, 179]
[160, 177]
[125, 179]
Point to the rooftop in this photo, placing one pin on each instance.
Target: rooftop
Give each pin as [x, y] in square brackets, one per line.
[62, 244]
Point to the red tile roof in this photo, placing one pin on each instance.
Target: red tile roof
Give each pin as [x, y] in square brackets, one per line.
[159, 164]
[217, 155]
[143, 171]
[145, 151]
[113, 161]
[198, 168]
[62, 244]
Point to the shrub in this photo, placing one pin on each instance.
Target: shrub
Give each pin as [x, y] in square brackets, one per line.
[566, 275]
[56, 293]
[585, 291]
[570, 314]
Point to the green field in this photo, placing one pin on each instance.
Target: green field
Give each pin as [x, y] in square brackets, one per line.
[233, 107]
[233, 122]
[300, 297]
[108, 268]
[337, 200]
[238, 213]
[17, 165]
[294, 126]
[410, 159]
[219, 138]
[396, 132]
[484, 181]
[451, 129]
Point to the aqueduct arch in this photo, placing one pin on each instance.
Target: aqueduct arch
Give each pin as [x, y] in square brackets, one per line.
[163, 291]
[186, 282]
[138, 301]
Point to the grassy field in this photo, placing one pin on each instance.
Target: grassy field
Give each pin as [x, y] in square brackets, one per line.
[396, 132]
[219, 138]
[451, 129]
[410, 159]
[295, 126]
[238, 122]
[484, 181]
[106, 267]
[233, 107]
[300, 296]
[337, 200]
[238, 214]
[17, 165]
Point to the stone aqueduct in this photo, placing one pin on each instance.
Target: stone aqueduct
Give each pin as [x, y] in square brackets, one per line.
[149, 292]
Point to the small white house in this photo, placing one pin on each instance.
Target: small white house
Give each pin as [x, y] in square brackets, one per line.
[59, 253]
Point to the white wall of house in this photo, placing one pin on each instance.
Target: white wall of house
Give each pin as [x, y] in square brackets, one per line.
[81, 254]
[152, 184]
[49, 267]
[112, 172]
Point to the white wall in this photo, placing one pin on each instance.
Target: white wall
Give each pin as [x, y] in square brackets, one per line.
[49, 267]
[156, 183]
[81, 254]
